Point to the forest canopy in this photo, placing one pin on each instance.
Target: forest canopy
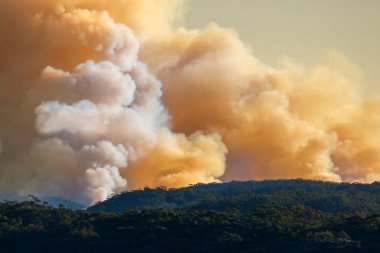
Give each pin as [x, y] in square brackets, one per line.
[269, 216]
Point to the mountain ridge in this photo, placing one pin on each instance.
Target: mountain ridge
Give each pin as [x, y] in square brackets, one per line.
[328, 197]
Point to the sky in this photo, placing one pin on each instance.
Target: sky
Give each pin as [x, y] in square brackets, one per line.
[300, 29]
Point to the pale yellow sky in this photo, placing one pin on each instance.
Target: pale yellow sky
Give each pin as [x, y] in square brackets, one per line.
[300, 29]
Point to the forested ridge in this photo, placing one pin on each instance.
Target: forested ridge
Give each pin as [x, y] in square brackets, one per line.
[324, 196]
[269, 216]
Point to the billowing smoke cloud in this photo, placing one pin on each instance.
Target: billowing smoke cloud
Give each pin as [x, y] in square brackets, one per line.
[79, 109]
[103, 96]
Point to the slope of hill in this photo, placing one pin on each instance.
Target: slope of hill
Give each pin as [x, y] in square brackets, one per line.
[292, 216]
[328, 197]
[54, 201]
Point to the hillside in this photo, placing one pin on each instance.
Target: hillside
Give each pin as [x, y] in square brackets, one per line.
[269, 216]
[327, 197]
[54, 201]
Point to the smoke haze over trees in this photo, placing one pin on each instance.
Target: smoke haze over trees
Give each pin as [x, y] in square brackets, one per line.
[99, 97]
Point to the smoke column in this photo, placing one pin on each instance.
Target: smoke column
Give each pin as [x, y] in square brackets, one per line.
[99, 97]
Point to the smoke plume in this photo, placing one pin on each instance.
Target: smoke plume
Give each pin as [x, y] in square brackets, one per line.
[98, 97]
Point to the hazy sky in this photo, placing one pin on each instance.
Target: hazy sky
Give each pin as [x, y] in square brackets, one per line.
[300, 29]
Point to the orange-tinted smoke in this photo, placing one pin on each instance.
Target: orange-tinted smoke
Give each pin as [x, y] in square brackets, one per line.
[103, 96]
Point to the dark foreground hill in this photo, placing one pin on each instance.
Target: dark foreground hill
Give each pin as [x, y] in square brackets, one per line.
[323, 196]
[273, 216]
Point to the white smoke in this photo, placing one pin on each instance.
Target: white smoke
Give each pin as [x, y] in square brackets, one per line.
[91, 121]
